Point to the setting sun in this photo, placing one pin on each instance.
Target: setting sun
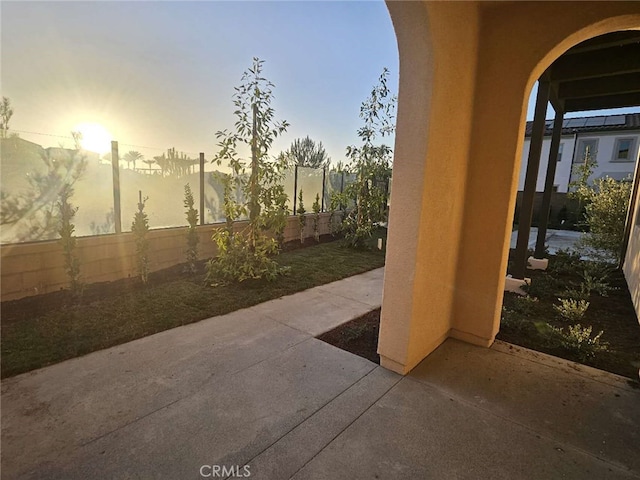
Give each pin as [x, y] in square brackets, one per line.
[95, 137]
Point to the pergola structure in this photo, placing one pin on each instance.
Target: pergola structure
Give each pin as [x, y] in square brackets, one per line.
[600, 73]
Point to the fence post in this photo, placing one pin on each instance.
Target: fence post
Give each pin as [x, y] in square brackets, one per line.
[324, 173]
[115, 171]
[201, 188]
[295, 188]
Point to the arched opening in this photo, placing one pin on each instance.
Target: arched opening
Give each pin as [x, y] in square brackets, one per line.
[464, 82]
[580, 155]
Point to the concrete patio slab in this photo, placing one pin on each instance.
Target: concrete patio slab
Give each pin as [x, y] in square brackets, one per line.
[560, 400]
[555, 239]
[313, 313]
[365, 288]
[226, 422]
[420, 432]
[63, 406]
[247, 389]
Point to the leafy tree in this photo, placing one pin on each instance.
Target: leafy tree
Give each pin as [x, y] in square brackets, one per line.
[6, 112]
[304, 152]
[254, 188]
[32, 214]
[131, 157]
[371, 163]
[605, 202]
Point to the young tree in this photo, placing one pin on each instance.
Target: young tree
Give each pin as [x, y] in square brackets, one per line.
[140, 228]
[371, 163]
[32, 214]
[258, 179]
[192, 234]
[605, 202]
[304, 152]
[6, 112]
[68, 240]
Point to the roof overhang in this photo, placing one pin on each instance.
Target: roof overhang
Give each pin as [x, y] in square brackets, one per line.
[600, 73]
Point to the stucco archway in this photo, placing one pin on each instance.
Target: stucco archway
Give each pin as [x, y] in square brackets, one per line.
[465, 73]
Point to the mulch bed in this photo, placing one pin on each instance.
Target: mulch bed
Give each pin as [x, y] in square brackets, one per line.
[614, 314]
[359, 336]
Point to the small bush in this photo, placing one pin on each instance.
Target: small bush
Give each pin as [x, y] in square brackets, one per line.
[595, 284]
[316, 218]
[578, 340]
[68, 240]
[238, 261]
[511, 320]
[565, 262]
[525, 305]
[571, 310]
[580, 293]
[543, 286]
[192, 236]
[302, 219]
[139, 228]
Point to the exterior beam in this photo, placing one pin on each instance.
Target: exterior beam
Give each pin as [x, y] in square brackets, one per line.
[548, 184]
[601, 103]
[531, 179]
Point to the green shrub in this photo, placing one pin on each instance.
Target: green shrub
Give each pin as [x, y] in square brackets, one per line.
[596, 284]
[525, 305]
[578, 340]
[302, 218]
[606, 202]
[511, 320]
[565, 262]
[68, 240]
[571, 310]
[542, 286]
[316, 218]
[580, 293]
[192, 236]
[139, 228]
[238, 261]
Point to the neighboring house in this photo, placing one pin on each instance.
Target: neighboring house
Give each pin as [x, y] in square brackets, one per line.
[612, 139]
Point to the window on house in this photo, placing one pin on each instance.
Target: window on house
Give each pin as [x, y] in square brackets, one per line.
[623, 150]
[560, 148]
[587, 148]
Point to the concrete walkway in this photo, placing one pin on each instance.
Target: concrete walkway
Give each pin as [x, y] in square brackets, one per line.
[555, 239]
[255, 389]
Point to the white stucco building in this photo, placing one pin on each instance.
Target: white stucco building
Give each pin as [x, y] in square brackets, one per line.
[613, 139]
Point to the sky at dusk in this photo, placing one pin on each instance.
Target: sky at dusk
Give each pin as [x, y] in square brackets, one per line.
[161, 74]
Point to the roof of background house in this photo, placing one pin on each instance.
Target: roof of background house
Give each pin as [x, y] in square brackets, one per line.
[602, 123]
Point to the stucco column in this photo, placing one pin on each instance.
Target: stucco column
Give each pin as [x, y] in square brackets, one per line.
[437, 46]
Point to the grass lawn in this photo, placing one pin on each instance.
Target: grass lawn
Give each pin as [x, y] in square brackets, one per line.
[45, 330]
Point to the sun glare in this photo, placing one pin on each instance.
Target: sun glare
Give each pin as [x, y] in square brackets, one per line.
[95, 137]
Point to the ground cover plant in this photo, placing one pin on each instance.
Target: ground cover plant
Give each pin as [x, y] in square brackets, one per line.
[579, 310]
[38, 331]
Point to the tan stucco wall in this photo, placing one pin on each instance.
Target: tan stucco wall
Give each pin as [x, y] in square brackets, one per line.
[34, 268]
[466, 68]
